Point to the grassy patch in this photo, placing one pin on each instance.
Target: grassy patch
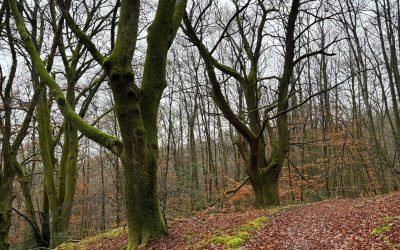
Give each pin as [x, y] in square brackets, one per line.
[255, 224]
[380, 230]
[87, 241]
[230, 241]
[188, 236]
[390, 218]
[386, 226]
[280, 208]
[239, 237]
[235, 243]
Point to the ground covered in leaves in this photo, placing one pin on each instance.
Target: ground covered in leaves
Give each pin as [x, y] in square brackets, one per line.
[366, 223]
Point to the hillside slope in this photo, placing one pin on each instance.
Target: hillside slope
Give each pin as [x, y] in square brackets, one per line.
[366, 223]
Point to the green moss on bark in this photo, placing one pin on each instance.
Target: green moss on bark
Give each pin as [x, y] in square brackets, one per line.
[5, 224]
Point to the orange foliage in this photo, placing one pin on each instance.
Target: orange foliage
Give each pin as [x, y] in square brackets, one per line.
[244, 196]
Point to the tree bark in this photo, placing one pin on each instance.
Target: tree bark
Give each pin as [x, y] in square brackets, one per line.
[136, 108]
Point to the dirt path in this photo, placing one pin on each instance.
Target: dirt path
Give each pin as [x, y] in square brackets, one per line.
[332, 224]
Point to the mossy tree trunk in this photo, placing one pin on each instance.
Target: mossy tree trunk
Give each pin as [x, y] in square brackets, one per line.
[6, 189]
[266, 189]
[137, 111]
[264, 177]
[58, 198]
[43, 120]
[41, 236]
[8, 158]
[136, 108]
[57, 232]
[60, 194]
[11, 138]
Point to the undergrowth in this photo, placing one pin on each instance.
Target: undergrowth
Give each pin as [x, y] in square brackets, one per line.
[385, 227]
[240, 235]
[113, 233]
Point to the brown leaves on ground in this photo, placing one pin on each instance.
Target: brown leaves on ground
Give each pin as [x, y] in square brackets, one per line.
[191, 233]
[331, 224]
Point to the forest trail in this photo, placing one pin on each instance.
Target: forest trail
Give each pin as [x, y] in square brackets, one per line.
[334, 224]
[330, 224]
[364, 223]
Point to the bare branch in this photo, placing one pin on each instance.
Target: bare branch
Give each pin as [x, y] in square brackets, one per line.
[318, 52]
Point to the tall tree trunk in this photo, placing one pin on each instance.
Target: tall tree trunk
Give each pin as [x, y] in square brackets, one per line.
[103, 196]
[40, 239]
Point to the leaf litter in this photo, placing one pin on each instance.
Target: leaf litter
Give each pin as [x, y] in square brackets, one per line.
[364, 223]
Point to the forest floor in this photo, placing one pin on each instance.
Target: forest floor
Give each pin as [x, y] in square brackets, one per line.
[365, 223]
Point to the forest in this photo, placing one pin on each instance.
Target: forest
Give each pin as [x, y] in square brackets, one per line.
[199, 124]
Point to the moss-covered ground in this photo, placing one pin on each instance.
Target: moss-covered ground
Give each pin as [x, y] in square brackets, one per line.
[99, 241]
